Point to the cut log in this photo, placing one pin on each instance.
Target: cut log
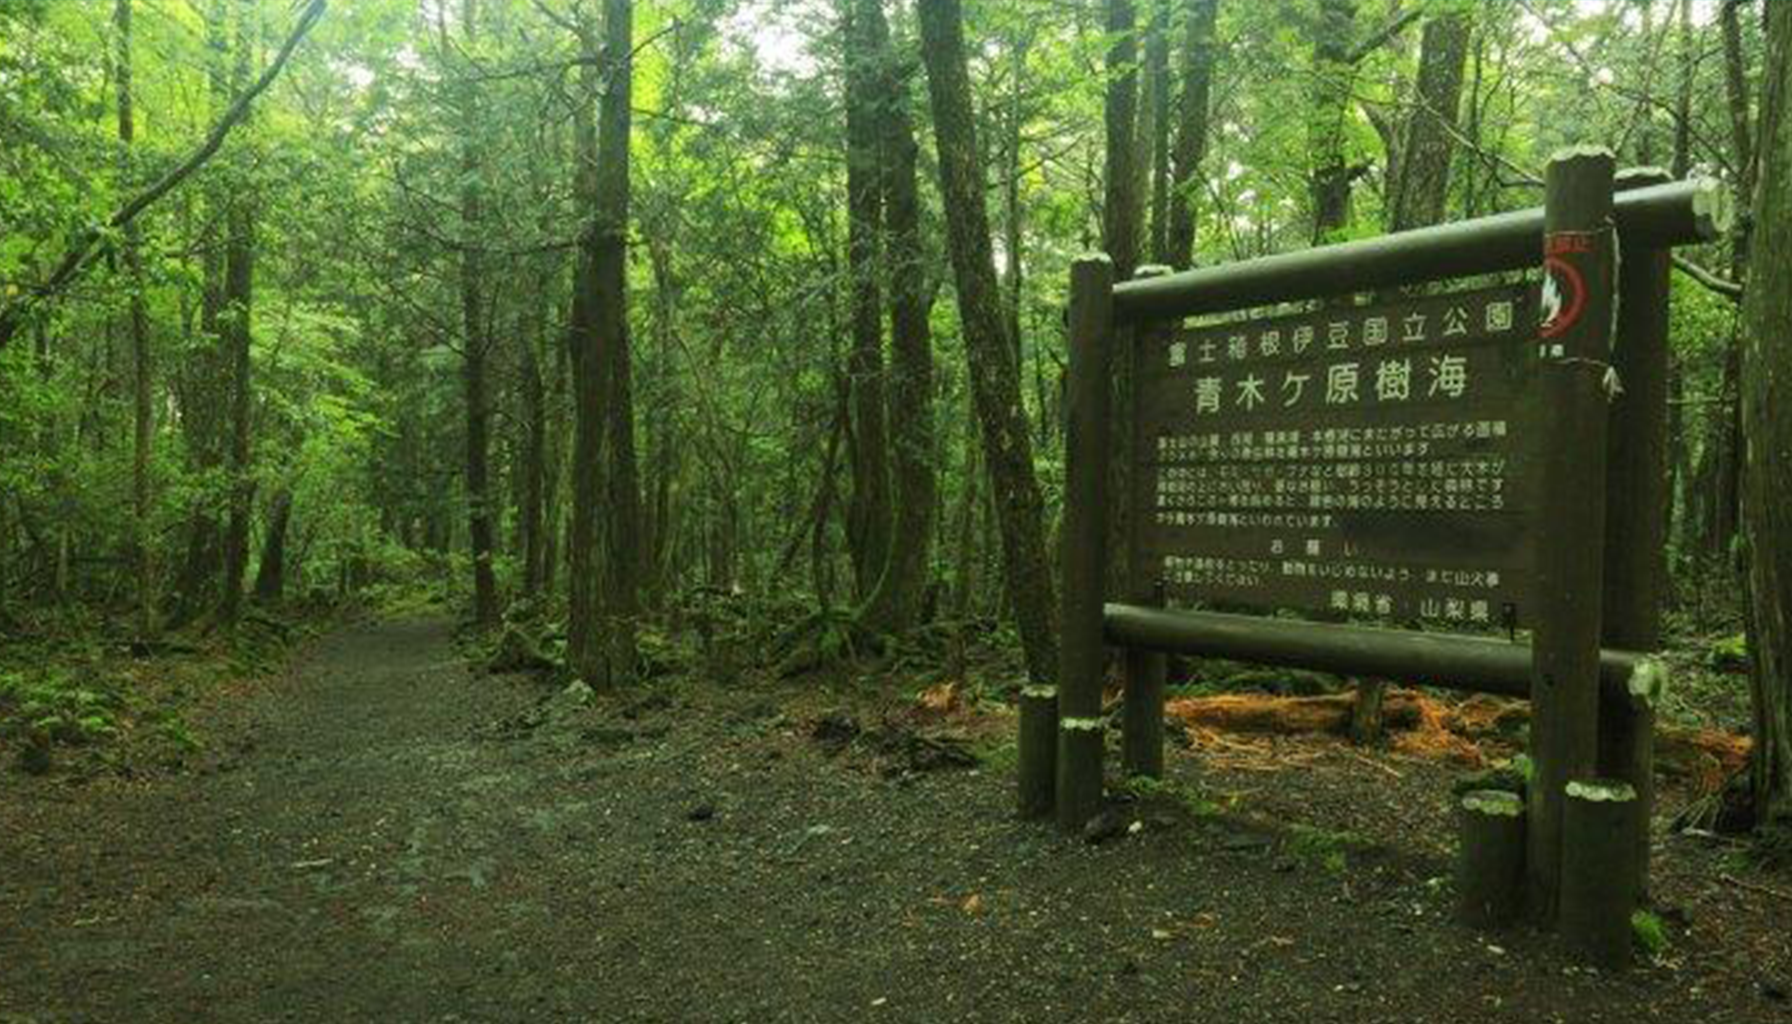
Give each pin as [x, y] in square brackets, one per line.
[1038, 757]
[1601, 869]
[1490, 858]
[1079, 770]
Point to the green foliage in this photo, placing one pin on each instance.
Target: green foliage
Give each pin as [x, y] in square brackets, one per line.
[1650, 933]
[1322, 848]
[54, 706]
[1729, 654]
[1179, 791]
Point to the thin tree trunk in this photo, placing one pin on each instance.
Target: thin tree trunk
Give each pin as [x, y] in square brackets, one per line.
[1727, 432]
[142, 371]
[1198, 56]
[1120, 201]
[995, 384]
[477, 341]
[1333, 75]
[585, 647]
[238, 325]
[270, 575]
[1154, 133]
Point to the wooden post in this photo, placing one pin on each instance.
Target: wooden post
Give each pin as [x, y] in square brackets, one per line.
[1490, 858]
[1084, 540]
[1598, 879]
[1142, 722]
[1636, 509]
[1036, 764]
[1574, 346]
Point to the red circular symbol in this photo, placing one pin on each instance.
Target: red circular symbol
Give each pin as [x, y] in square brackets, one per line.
[1564, 295]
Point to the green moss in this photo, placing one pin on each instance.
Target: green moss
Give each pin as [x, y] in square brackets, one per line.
[1323, 848]
[999, 755]
[1651, 934]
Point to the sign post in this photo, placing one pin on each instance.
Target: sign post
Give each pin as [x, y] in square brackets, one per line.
[1084, 538]
[1576, 380]
[1636, 508]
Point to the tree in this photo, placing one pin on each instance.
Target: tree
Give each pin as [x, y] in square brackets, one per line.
[142, 372]
[605, 599]
[476, 341]
[995, 380]
[1121, 207]
[895, 605]
[1423, 182]
[1767, 423]
[1199, 53]
[868, 508]
[236, 322]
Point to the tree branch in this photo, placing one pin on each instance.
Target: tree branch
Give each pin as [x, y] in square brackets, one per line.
[85, 244]
[1729, 289]
[1384, 35]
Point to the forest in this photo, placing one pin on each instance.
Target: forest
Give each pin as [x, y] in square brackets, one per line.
[561, 509]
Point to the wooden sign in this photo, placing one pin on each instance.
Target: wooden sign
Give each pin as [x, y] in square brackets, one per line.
[1371, 461]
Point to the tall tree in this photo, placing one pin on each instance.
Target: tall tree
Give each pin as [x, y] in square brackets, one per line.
[237, 330]
[868, 508]
[1722, 460]
[476, 326]
[1155, 129]
[142, 372]
[1121, 207]
[1767, 423]
[605, 599]
[1328, 118]
[1423, 183]
[896, 603]
[1199, 52]
[995, 380]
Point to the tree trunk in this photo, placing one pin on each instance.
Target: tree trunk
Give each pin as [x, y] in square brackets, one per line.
[202, 386]
[476, 331]
[584, 627]
[1328, 119]
[238, 324]
[1198, 53]
[868, 507]
[1767, 423]
[142, 372]
[531, 521]
[1120, 200]
[1728, 436]
[1154, 130]
[995, 383]
[1423, 185]
[270, 575]
[605, 600]
[896, 603]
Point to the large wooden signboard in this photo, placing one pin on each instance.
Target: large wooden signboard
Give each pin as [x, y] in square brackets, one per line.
[1371, 461]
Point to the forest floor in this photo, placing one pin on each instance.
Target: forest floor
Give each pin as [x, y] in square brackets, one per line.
[383, 834]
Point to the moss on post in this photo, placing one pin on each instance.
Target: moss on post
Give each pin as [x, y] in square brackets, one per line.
[1600, 819]
[1079, 770]
[1489, 858]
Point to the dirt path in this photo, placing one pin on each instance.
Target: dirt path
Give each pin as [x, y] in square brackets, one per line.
[388, 837]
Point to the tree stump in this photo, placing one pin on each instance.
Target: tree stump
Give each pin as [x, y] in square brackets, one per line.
[1600, 869]
[1079, 770]
[1038, 757]
[1489, 858]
